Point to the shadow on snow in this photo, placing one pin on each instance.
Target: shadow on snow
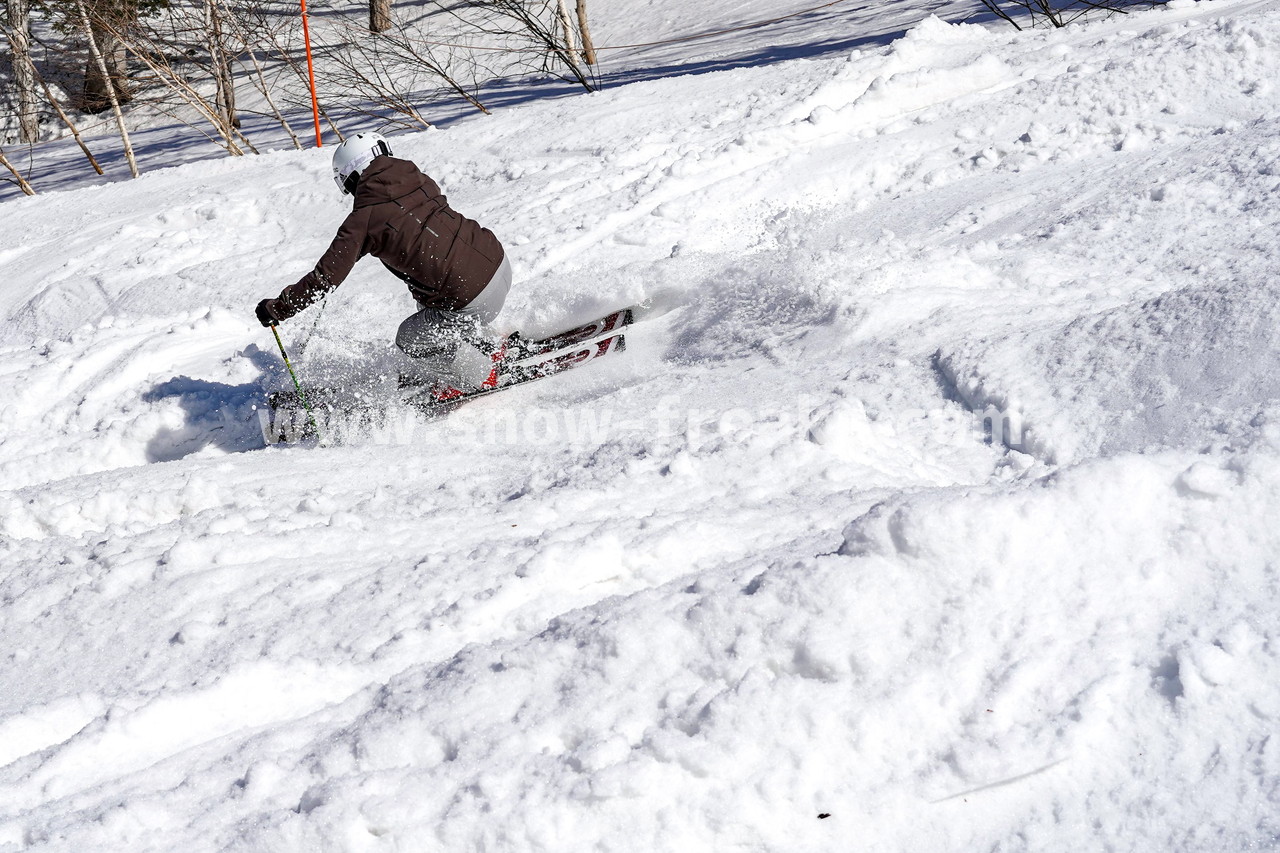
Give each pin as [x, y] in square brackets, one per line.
[216, 414]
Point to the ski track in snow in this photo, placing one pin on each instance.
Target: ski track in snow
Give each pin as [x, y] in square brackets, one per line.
[763, 567]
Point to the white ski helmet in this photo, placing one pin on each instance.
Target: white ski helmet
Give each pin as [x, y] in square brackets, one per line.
[353, 155]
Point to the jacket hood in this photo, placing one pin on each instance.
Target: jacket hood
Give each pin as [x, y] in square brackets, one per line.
[387, 178]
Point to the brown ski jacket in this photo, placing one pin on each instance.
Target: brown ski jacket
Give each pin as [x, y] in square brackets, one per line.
[402, 219]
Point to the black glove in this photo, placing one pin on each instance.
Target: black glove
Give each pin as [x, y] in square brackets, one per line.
[266, 312]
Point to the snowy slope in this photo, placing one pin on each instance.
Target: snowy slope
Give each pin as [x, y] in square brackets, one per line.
[761, 569]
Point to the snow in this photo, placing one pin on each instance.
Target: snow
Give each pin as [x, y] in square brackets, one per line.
[764, 567]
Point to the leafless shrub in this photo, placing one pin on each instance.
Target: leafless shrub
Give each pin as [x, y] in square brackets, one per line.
[1059, 13]
[241, 30]
[183, 59]
[535, 33]
[452, 52]
[277, 37]
[183, 54]
[402, 72]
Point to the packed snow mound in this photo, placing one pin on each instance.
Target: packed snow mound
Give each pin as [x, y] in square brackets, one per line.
[1194, 367]
[1190, 366]
[931, 507]
[776, 670]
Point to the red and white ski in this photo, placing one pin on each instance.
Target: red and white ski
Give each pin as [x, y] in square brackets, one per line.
[521, 349]
[508, 375]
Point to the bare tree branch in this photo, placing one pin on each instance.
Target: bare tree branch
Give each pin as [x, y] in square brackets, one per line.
[22, 182]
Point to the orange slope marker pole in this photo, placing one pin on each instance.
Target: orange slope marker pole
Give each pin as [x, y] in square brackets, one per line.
[311, 73]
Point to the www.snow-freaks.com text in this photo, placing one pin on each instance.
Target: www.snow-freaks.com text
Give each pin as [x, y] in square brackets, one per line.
[840, 425]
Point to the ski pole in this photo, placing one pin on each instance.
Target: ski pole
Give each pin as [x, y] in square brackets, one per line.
[301, 396]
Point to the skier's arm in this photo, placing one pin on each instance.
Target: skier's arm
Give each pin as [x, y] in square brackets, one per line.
[331, 270]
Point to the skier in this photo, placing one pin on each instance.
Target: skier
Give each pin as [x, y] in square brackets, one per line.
[456, 270]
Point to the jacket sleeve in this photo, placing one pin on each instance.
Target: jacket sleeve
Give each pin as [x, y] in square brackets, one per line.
[331, 270]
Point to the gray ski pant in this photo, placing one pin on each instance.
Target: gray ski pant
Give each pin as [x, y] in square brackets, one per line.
[454, 347]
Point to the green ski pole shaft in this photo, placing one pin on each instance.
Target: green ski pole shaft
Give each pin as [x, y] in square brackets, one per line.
[301, 396]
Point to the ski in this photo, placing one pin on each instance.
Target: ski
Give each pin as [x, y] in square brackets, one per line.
[522, 349]
[512, 375]
[514, 367]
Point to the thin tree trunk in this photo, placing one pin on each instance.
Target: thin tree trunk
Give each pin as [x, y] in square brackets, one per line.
[24, 72]
[588, 47]
[245, 140]
[566, 29]
[333, 127]
[22, 182]
[221, 68]
[111, 89]
[53, 102]
[105, 82]
[265, 88]
[379, 16]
